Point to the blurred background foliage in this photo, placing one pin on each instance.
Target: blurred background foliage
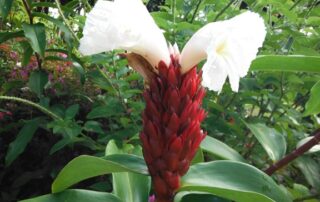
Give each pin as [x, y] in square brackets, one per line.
[56, 104]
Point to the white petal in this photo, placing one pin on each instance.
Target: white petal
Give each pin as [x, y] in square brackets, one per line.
[176, 49]
[123, 24]
[235, 41]
[214, 78]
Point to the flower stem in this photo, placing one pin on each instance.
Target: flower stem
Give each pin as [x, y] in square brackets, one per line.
[66, 21]
[294, 154]
[295, 4]
[195, 11]
[28, 102]
[223, 10]
[29, 12]
[173, 7]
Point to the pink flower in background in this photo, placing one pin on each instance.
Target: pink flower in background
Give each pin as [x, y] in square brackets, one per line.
[13, 55]
[63, 55]
[50, 77]
[24, 73]
[152, 198]
[4, 114]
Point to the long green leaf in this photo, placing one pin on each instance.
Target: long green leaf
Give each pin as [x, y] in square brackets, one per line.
[271, 140]
[84, 167]
[286, 63]
[27, 53]
[37, 37]
[76, 195]
[4, 36]
[232, 180]
[23, 138]
[220, 149]
[37, 81]
[128, 186]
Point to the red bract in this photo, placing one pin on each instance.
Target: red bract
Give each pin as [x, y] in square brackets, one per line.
[171, 126]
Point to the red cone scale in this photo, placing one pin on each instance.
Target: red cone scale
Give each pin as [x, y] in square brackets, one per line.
[171, 126]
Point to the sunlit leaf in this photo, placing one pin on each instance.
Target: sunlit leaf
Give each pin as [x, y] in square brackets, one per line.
[220, 149]
[271, 140]
[128, 186]
[289, 63]
[84, 167]
[232, 180]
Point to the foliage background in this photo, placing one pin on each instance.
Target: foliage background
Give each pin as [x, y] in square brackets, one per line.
[84, 102]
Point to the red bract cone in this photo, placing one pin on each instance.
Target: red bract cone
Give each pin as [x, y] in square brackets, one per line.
[171, 126]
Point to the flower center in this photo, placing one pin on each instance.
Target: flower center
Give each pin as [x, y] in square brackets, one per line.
[221, 48]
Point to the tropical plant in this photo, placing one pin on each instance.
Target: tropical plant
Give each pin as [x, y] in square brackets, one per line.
[257, 144]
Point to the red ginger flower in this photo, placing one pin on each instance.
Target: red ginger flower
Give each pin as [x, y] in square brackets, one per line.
[171, 126]
[173, 114]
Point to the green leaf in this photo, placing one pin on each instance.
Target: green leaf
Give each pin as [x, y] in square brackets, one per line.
[198, 158]
[128, 186]
[84, 167]
[299, 190]
[310, 169]
[313, 104]
[76, 195]
[112, 108]
[37, 81]
[271, 140]
[36, 34]
[5, 7]
[93, 126]
[232, 180]
[27, 53]
[101, 80]
[286, 63]
[72, 111]
[60, 145]
[221, 150]
[4, 36]
[23, 138]
[313, 21]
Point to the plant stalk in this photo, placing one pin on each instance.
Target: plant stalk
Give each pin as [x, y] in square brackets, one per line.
[223, 10]
[294, 154]
[66, 21]
[28, 102]
[29, 12]
[195, 11]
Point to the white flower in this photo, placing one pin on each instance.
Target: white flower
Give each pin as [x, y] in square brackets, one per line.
[53, 12]
[229, 46]
[124, 24]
